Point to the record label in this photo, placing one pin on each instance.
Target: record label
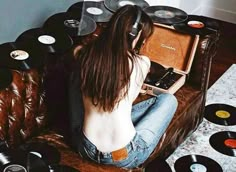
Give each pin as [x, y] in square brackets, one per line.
[123, 3]
[94, 11]
[198, 168]
[164, 14]
[46, 39]
[15, 168]
[222, 114]
[19, 55]
[71, 23]
[231, 143]
[196, 24]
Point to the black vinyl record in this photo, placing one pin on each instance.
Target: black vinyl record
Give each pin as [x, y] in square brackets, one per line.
[5, 78]
[114, 5]
[221, 114]
[156, 71]
[224, 142]
[166, 14]
[197, 25]
[61, 168]
[49, 154]
[20, 161]
[21, 56]
[190, 163]
[96, 10]
[71, 24]
[51, 42]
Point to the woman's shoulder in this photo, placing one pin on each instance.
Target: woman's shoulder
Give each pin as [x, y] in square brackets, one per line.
[144, 61]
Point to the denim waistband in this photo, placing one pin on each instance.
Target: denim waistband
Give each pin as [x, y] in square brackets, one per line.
[89, 145]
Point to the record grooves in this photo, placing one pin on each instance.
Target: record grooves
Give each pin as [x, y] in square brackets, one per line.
[224, 142]
[96, 10]
[20, 161]
[48, 153]
[20, 56]
[51, 42]
[166, 14]
[197, 25]
[70, 23]
[221, 114]
[196, 163]
[114, 5]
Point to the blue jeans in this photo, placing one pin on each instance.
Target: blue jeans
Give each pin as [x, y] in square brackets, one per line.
[150, 118]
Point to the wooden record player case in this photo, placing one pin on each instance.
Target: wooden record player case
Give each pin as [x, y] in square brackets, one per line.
[170, 48]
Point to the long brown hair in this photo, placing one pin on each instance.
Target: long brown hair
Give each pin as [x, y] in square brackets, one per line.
[103, 65]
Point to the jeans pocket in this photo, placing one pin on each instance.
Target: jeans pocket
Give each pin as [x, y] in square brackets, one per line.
[130, 162]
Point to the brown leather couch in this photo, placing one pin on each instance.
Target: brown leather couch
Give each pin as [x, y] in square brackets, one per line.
[26, 106]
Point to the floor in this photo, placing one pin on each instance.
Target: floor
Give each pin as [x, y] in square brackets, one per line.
[222, 89]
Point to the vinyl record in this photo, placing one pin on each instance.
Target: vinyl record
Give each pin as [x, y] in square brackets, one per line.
[96, 10]
[51, 42]
[20, 161]
[48, 153]
[196, 163]
[166, 14]
[197, 25]
[61, 168]
[5, 78]
[224, 142]
[114, 5]
[21, 56]
[221, 114]
[71, 24]
[156, 71]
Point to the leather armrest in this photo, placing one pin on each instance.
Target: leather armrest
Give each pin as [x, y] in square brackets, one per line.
[200, 71]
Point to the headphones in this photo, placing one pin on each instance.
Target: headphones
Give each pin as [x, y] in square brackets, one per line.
[134, 30]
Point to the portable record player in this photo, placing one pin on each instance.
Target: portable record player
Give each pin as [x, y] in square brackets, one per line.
[175, 52]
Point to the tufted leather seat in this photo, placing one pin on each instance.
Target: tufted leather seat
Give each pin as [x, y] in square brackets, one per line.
[22, 107]
[23, 112]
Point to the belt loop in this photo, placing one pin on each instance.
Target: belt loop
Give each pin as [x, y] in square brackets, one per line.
[132, 144]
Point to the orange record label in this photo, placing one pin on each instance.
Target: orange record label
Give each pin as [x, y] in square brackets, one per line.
[196, 24]
[222, 114]
[230, 143]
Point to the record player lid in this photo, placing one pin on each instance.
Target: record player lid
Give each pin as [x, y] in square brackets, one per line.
[171, 48]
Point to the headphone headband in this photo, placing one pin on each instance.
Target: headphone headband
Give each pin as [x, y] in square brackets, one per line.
[134, 30]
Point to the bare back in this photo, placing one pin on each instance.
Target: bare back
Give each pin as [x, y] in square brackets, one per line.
[114, 130]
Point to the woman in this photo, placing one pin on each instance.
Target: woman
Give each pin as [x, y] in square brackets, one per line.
[109, 74]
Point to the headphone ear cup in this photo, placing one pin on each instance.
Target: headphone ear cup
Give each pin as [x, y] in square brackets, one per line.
[133, 34]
